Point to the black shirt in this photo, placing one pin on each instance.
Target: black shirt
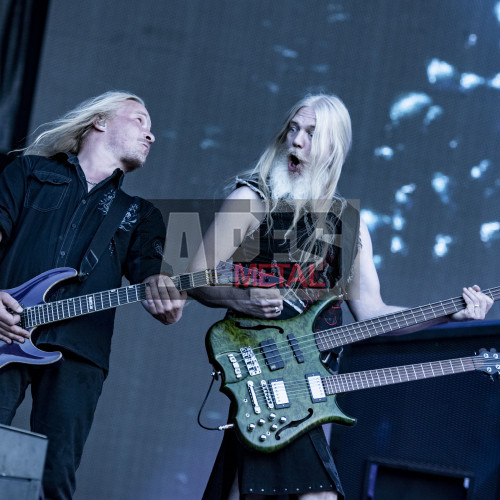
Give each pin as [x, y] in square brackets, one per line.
[48, 219]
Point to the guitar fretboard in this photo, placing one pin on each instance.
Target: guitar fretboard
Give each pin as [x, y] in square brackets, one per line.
[343, 335]
[347, 382]
[59, 310]
[194, 280]
[84, 304]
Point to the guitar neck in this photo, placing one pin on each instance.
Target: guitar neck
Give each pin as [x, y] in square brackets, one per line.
[59, 310]
[189, 281]
[347, 382]
[347, 334]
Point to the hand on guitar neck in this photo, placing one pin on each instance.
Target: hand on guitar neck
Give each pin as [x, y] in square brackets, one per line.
[477, 304]
[163, 301]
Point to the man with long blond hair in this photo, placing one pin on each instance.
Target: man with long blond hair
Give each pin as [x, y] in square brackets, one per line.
[53, 199]
[296, 222]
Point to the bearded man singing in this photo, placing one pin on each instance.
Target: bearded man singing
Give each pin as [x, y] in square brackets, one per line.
[286, 213]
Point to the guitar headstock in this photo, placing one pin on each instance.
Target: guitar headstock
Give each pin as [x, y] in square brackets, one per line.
[227, 273]
[487, 361]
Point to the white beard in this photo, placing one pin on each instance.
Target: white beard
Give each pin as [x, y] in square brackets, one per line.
[284, 185]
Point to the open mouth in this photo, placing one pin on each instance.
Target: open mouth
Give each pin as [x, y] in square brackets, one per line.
[294, 164]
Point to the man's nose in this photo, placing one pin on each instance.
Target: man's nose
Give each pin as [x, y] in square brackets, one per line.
[149, 136]
[298, 140]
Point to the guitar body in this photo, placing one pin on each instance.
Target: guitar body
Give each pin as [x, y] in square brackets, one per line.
[33, 293]
[284, 363]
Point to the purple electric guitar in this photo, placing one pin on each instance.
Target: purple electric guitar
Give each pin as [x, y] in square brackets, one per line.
[36, 312]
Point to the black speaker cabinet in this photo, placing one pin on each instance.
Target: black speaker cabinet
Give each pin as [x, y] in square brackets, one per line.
[432, 439]
[22, 458]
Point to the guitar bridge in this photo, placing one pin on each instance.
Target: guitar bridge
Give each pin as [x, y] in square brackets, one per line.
[267, 394]
[253, 397]
[250, 360]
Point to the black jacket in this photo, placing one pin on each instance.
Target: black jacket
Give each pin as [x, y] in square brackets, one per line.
[48, 219]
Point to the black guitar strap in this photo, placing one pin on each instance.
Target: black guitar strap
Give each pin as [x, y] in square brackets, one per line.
[104, 233]
[350, 240]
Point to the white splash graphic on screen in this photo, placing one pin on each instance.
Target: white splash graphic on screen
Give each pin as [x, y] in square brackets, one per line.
[440, 184]
[409, 105]
[373, 220]
[433, 113]
[441, 245]
[384, 152]
[440, 71]
[490, 231]
[496, 10]
[398, 222]
[397, 245]
[478, 170]
[402, 194]
[470, 81]
[495, 81]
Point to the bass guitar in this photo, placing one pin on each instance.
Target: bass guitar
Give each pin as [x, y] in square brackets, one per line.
[273, 371]
[37, 312]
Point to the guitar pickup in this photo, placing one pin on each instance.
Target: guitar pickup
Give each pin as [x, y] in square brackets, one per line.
[271, 354]
[316, 388]
[279, 393]
[295, 348]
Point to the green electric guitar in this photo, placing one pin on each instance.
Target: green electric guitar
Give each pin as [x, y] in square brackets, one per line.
[273, 372]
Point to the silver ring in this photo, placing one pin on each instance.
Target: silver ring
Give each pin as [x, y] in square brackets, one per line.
[476, 305]
[277, 310]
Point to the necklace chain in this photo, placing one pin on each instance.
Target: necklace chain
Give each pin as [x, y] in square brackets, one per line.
[92, 183]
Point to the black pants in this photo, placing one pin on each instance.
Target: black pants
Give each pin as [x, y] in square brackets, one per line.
[64, 400]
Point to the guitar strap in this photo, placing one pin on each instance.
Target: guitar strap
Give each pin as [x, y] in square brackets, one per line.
[350, 238]
[104, 233]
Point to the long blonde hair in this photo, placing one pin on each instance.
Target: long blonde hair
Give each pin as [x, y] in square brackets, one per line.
[330, 145]
[68, 132]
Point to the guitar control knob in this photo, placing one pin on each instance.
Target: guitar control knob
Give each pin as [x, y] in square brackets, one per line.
[261, 421]
[262, 437]
[250, 427]
[272, 416]
[283, 420]
[274, 427]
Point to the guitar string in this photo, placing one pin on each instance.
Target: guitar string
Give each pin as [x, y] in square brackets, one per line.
[425, 367]
[122, 297]
[302, 382]
[385, 323]
[56, 309]
[340, 385]
[380, 377]
[342, 332]
[287, 356]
